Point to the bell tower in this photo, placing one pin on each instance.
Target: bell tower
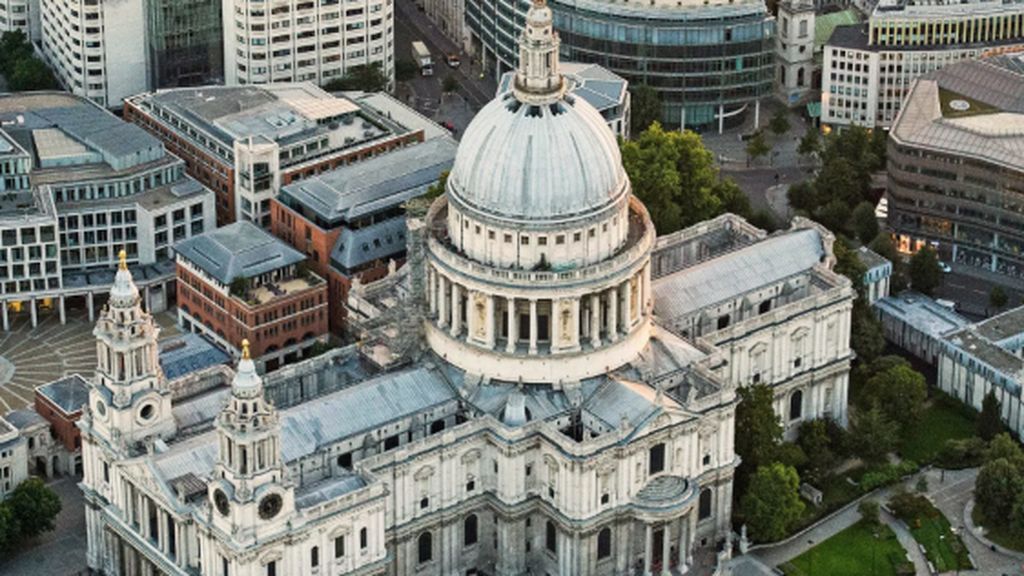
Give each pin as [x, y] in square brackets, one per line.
[538, 80]
[129, 401]
[251, 490]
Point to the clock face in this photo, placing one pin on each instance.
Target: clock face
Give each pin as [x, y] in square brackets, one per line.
[220, 500]
[270, 506]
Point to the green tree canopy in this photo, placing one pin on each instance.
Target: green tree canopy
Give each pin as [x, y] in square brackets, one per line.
[997, 297]
[989, 423]
[868, 512]
[9, 529]
[35, 506]
[803, 196]
[810, 143]
[925, 274]
[900, 391]
[817, 445]
[758, 146]
[863, 222]
[886, 248]
[31, 74]
[645, 108]
[998, 484]
[675, 176]
[368, 78]
[1003, 446]
[873, 434]
[771, 506]
[779, 124]
[758, 429]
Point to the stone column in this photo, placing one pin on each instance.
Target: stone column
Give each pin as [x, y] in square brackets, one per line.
[513, 330]
[533, 326]
[442, 301]
[721, 118]
[149, 301]
[490, 329]
[456, 309]
[7, 321]
[595, 320]
[666, 549]
[613, 314]
[60, 306]
[648, 548]
[432, 290]
[32, 309]
[92, 308]
[576, 328]
[627, 306]
[681, 553]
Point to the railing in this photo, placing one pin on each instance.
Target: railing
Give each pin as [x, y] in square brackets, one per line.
[629, 255]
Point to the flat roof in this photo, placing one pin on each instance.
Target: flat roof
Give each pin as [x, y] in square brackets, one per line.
[1002, 326]
[375, 184]
[241, 249]
[922, 313]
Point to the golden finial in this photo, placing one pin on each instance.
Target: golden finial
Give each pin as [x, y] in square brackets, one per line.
[123, 256]
[245, 349]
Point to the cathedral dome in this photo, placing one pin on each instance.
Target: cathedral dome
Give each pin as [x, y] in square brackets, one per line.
[535, 153]
[524, 161]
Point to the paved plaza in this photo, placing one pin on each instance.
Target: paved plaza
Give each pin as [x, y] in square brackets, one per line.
[31, 357]
[60, 552]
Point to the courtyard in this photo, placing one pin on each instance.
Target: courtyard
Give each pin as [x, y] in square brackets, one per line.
[31, 357]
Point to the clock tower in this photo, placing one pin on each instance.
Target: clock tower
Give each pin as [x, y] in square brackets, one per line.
[251, 492]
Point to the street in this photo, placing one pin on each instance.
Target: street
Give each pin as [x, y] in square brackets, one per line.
[424, 92]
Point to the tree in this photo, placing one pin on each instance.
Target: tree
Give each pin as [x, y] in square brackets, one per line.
[817, 446]
[9, 529]
[779, 123]
[873, 434]
[900, 391]
[838, 181]
[772, 504]
[405, 69]
[884, 247]
[879, 141]
[758, 146]
[1004, 447]
[437, 188]
[239, 286]
[674, 175]
[449, 84]
[996, 489]
[368, 78]
[925, 273]
[731, 198]
[645, 108]
[989, 423]
[834, 215]
[31, 74]
[868, 512]
[758, 430]
[863, 222]
[803, 196]
[1017, 515]
[997, 297]
[810, 143]
[35, 506]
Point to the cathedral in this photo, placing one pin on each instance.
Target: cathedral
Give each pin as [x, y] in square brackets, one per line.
[557, 419]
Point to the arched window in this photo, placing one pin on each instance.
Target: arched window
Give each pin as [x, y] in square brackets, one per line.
[704, 508]
[469, 530]
[796, 405]
[551, 537]
[425, 547]
[314, 557]
[604, 543]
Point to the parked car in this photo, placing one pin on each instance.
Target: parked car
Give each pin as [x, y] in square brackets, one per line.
[945, 267]
[453, 60]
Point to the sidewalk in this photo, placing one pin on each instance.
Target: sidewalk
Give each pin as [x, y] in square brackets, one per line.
[907, 541]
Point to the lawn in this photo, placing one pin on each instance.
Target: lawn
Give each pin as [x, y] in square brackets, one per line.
[853, 552]
[836, 493]
[939, 422]
[943, 548]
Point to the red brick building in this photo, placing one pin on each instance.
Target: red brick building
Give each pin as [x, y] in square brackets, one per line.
[277, 133]
[241, 283]
[350, 222]
[60, 403]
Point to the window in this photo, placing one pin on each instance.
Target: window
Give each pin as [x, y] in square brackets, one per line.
[345, 460]
[469, 530]
[363, 539]
[424, 503]
[339, 546]
[272, 568]
[470, 486]
[524, 240]
[764, 307]
[551, 538]
[314, 557]
[656, 459]
[704, 508]
[723, 321]
[604, 543]
[796, 405]
[425, 547]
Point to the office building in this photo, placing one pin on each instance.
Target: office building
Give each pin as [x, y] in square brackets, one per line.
[956, 174]
[869, 68]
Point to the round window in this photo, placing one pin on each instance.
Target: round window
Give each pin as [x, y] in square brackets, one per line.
[147, 412]
[270, 506]
[220, 500]
[101, 408]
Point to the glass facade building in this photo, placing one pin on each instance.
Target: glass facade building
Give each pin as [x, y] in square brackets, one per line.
[705, 60]
[186, 43]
